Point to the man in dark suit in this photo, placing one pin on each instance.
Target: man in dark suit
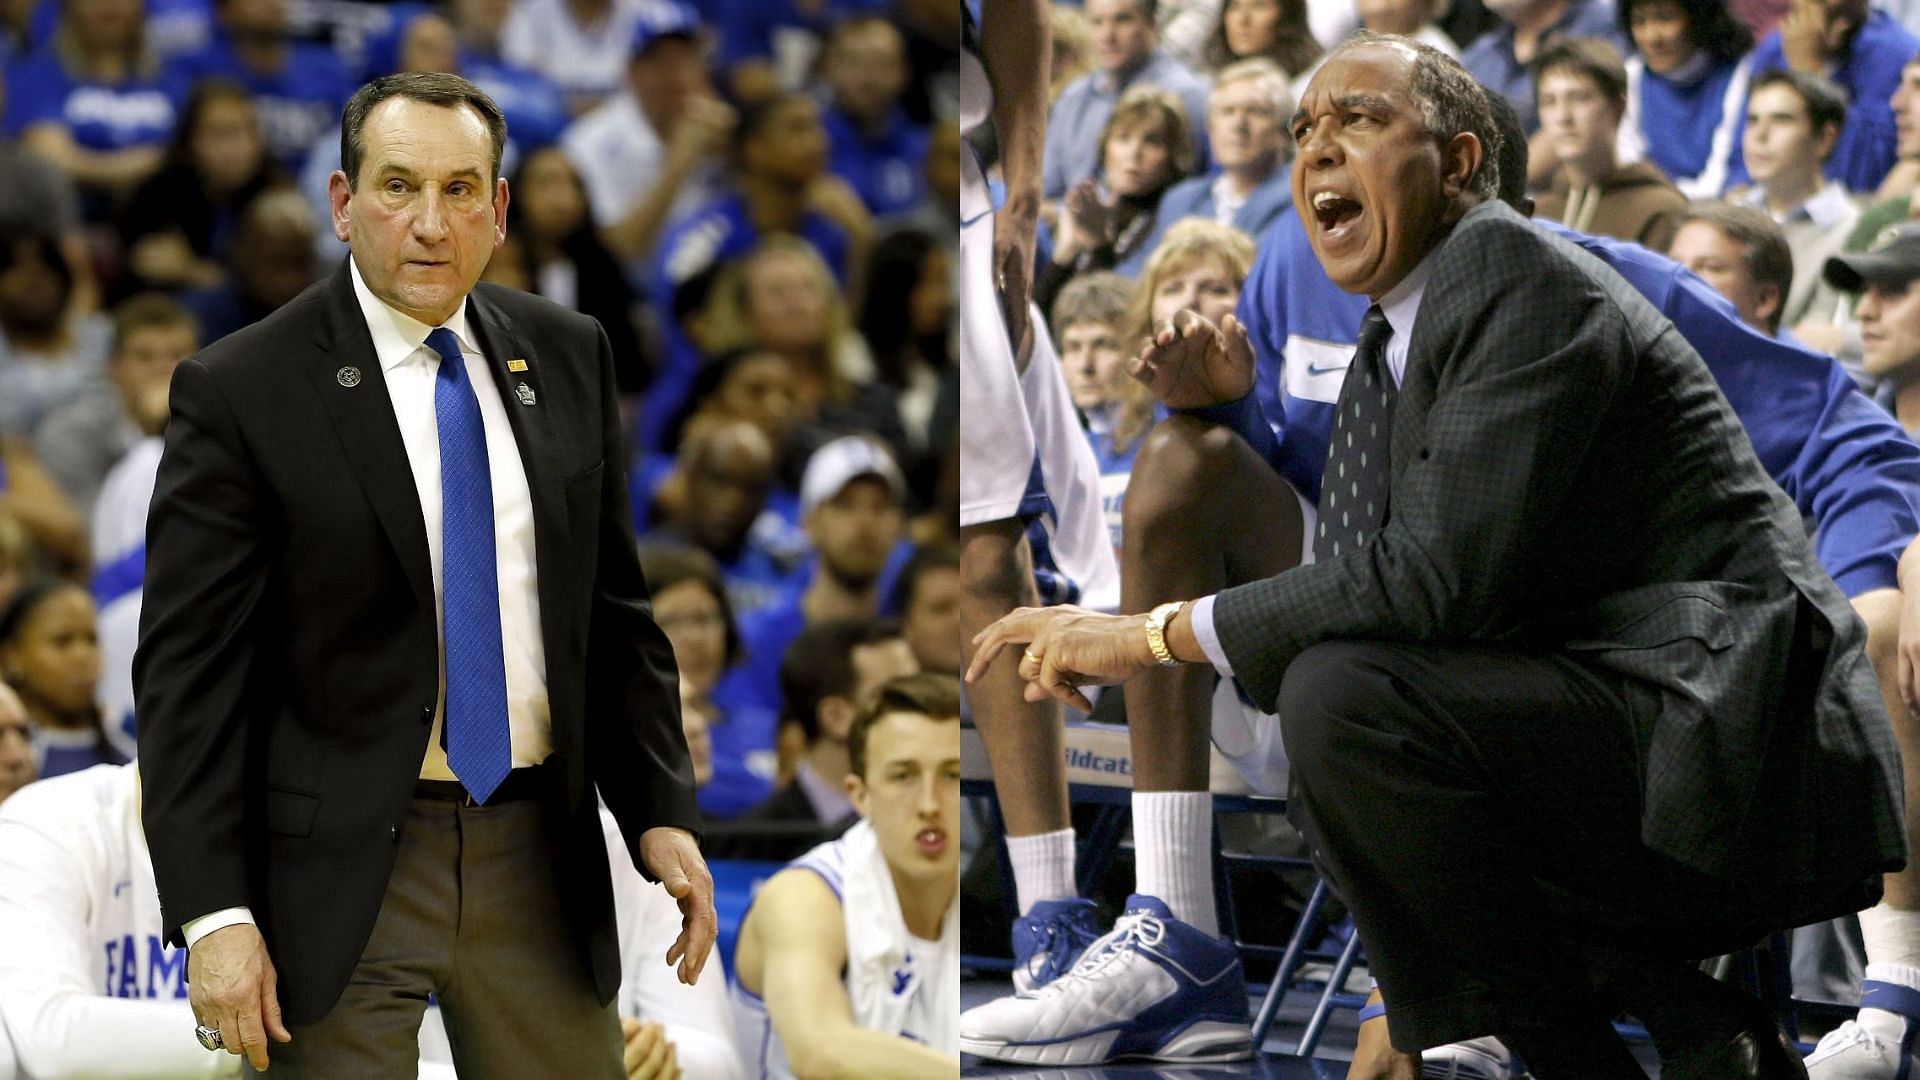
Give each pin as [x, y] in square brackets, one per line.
[1564, 690]
[397, 485]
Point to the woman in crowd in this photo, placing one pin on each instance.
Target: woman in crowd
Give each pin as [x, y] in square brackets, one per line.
[563, 259]
[782, 299]
[1273, 29]
[50, 351]
[93, 103]
[1199, 267]
[690, 603]
[50, 656]
[1686, 88]
[178, 230]
[1106, 224]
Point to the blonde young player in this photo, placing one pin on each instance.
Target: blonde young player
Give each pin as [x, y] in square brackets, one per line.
[849, 960]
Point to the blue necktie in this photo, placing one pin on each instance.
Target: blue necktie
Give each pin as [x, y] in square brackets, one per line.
[479, 747]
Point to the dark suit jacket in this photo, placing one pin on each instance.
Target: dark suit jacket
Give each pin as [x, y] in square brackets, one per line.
[288, 662]
[1566, 475]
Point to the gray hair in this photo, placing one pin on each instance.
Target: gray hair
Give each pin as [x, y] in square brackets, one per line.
[431, 87]
[1451, 102]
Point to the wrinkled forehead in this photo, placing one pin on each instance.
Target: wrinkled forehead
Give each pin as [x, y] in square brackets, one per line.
[427, 137]
[1379, 73]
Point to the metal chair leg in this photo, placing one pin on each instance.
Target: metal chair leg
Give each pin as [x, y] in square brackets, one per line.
[1336, 984]
[1290, 961]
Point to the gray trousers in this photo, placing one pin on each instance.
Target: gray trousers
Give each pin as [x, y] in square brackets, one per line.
[471, 916]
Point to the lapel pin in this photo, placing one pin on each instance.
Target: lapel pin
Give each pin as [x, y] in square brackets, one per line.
[516, 365]
[525, 392]
[348, 377]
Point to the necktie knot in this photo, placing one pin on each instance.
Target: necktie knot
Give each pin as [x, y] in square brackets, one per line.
[1374, 330]
[442, 341]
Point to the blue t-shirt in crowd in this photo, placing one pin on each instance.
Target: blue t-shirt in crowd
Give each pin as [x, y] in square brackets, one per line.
[1849, 468]
[766, 634]
[100, 116]
[705, 238]
[172, 26]
[747, 27]
[1679, 120]
[296, 104]
[1869, 74]
[745, 760]
[888, 170]
[535, 109]
[1116, 467]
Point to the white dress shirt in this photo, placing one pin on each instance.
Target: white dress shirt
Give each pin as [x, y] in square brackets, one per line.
[1401, 306]
[410, 368]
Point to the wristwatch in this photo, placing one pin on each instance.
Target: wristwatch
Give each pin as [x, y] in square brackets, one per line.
[1157, 620]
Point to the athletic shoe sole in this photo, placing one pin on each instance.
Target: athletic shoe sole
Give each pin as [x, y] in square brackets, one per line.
[1201, 1043]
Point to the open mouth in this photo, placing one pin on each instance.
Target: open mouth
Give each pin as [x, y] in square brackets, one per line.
[931, 841]
[1337, 215]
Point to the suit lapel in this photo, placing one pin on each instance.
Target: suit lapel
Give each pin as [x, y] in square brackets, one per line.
[347, 378]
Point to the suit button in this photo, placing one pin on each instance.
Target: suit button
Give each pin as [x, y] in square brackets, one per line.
[426, 714]
[394, 832]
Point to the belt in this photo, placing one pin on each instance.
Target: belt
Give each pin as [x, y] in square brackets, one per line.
[525, 783]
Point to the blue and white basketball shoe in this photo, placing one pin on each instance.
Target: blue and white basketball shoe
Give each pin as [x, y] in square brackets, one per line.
[1153, 988]
[1050, 939]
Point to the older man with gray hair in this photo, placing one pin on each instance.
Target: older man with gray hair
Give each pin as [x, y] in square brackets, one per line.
[1250, 183]
[1563, 689]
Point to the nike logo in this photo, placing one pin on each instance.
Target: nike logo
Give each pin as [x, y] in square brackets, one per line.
[1315, 369]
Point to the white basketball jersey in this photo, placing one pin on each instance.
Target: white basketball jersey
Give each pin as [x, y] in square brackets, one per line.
[896, 983]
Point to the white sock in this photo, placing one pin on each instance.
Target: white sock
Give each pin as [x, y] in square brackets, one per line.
[1173, 852]
[1892, 937]
[1042, 867]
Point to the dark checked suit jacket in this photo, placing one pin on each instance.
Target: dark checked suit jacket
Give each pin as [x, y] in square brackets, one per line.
[288, 665]
[1567, 476]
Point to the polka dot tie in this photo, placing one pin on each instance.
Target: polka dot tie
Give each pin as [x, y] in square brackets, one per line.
[1353, 490]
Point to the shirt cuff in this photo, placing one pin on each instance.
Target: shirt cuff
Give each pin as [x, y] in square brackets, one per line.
[195, 929]
[1201, 615]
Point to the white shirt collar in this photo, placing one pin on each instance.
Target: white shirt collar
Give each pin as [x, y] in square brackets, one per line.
[1829, 207]
[1401, 305]
[1226, 201]
[397, 335]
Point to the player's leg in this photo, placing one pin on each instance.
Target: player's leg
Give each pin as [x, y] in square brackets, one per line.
[1022, 738]
[1879, 1043]
[1024, 463]
[1203, 511]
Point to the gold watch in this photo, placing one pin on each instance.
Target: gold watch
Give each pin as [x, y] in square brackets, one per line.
[1157, 621]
